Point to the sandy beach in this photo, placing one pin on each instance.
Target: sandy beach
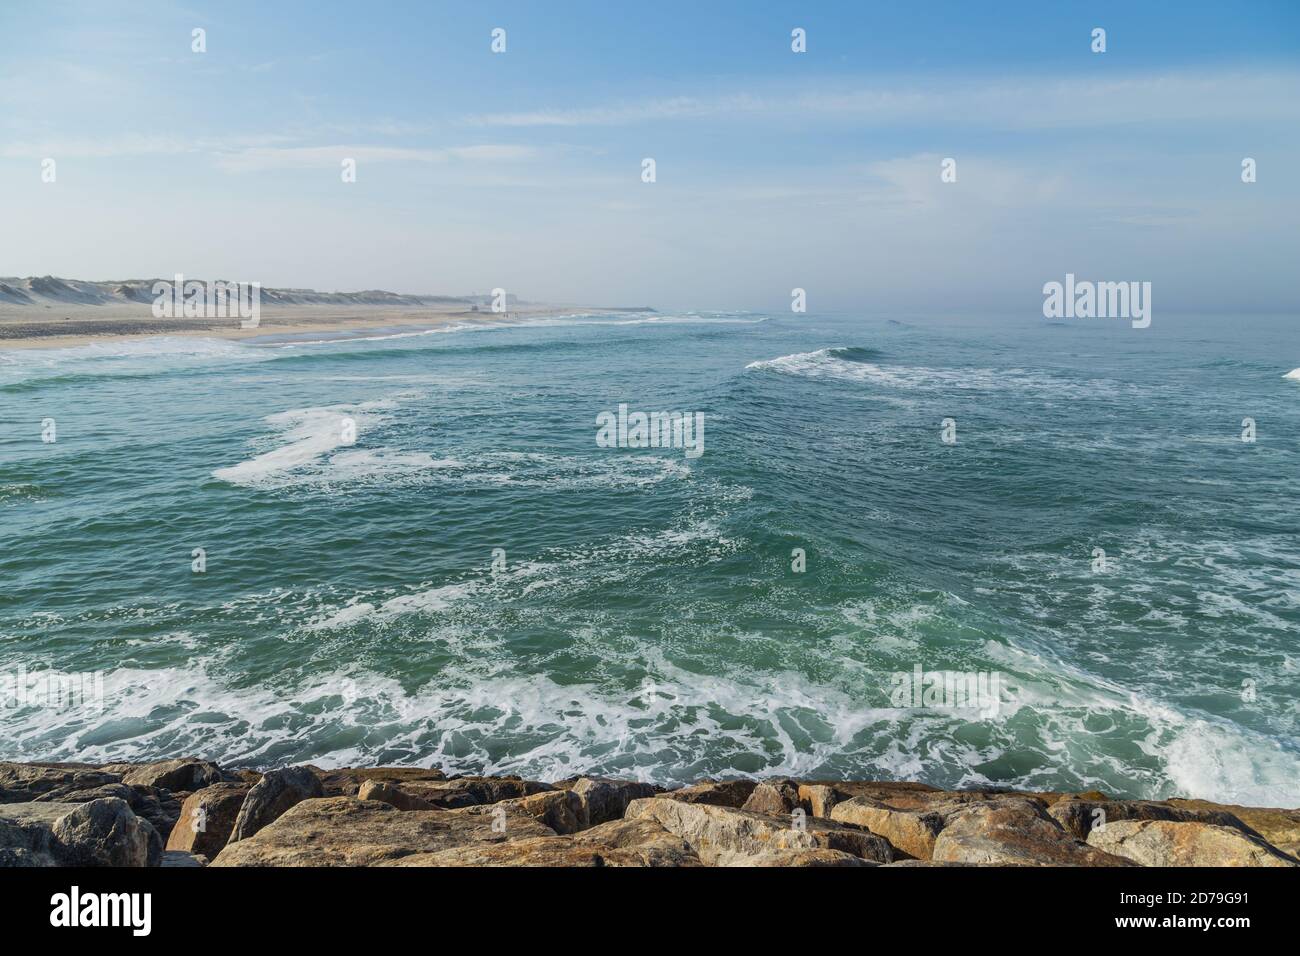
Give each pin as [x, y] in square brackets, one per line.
[71, 325]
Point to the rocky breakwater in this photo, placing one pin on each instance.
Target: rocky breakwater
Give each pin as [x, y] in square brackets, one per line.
[191, 813]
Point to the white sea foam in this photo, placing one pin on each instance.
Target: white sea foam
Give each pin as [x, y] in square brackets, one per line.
[1293, 374]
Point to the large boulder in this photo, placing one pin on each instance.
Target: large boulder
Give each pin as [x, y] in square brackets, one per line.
[561, 810]
[1079, 816]
[604, 799]
[207, 819]
[159, 807]
[271, 796]
[21, 782]
[347, 781]
[778, 797]
[797, 858]
[187, 773]
[912, 832]
[471, 791]
[1014, 831]
[392, 795]
[101, 832]
[718, 834]
[1173, 843]
[719, 793]
[1277, 826]
[345, 831]
[618, 843]
[820, 799]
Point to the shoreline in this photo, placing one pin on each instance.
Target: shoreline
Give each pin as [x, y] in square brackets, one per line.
[190, 813]
[81, 325]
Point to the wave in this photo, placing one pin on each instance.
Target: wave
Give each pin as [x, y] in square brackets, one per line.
[862, 365]
[1293, 374]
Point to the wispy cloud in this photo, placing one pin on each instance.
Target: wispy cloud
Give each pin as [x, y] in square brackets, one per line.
[1023, 102]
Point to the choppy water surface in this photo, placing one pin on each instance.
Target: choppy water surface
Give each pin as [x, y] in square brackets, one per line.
[647, 621]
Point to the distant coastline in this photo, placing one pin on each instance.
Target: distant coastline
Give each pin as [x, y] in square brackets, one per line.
[50, 312]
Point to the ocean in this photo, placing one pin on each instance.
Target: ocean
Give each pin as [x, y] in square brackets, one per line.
[408, 547]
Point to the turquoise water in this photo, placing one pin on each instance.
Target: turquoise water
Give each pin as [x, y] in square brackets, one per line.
[647, 620]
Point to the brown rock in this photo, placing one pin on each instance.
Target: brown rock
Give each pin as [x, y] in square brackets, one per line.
[911, 832]
[1278, 827]
[1078, 816]
[100, 832]
[207, 819]
[472, 791]
[719, 833]
[345, 831]
[392, 795]
[719, 793]
[798, 858]
[819, 799]
[1170, 843]
[561, 810]
[347, 781]
[187, 773]
[1014, 831]
[21, 782]
[604, 799]
[646, 839]
[778, 797]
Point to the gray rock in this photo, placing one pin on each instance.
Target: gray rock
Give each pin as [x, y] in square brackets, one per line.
[187, 774]
[270, 797]
[604, 800]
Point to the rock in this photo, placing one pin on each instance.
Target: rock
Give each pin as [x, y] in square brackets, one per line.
[26, 834]
[796, 858]
[347, 781]
[618, 843]
[1173, 843]
[718, 833]
[271, 796]
[187, 773]
[561, 810]
[100, 832]
[719, 793]
[1078, 816]
[1276, 826]
[646, 839]
[819, 799]
[207, 818]
[159, 807]
[345, 831]
[393, 796]
[181, 859]
[1011, 831]
[778, 798]
[21, 782]
[604, 799]
[912, 832]
[472, 791]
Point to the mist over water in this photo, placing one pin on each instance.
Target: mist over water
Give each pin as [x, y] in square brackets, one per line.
[647, 622]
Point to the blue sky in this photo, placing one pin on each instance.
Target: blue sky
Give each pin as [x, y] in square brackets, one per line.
[775, 169]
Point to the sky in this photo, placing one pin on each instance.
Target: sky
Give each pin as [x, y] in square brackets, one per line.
[773, 169]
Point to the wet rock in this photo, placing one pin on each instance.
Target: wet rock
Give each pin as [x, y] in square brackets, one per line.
[345, 831]
[271, 796]
[207, 818]
[719, 833]
[1171, 843]
[1012, 831]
